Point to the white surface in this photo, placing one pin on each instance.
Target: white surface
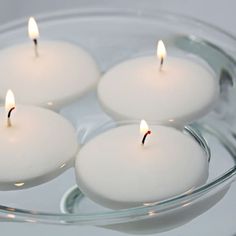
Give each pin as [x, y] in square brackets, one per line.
[115, 170]
[63, 71]
[133, 88]
[37, 147]
[220, 220]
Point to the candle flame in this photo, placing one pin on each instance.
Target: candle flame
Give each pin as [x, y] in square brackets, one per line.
[9, 101]
[20, 184]
[33, 30]
[143, 127]
[161, 50]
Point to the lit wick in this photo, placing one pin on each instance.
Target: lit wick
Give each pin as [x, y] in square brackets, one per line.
[145, 136]
[33, 32]
[9, 106]
[9, 117]
[161, 52]
[144, 129]
[36, 47]
[161, 63]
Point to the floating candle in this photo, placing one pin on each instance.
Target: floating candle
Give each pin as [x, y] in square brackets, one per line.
[174, 89]
[117, 171]
[52, 74]
[36, 145]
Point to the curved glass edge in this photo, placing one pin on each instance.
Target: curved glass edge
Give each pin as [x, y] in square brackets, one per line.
[120, 215]
[125, 215]
[114, 12]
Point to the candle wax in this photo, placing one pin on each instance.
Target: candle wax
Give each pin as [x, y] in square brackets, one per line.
[116, 171]
[182, 91]
[38, 146]
[60, 74]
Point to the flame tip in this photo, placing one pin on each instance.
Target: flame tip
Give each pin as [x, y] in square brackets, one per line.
[161, 50]
[10, 100]
[33, 30]
[143, 127]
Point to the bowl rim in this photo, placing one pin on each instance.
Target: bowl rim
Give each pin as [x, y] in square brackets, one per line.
[124, 215]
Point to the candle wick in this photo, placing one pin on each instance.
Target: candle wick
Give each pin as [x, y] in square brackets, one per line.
[9, 117]
[36, 47]
[161, 62]
[145, 136]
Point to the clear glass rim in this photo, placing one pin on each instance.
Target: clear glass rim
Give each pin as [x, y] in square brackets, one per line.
[113, 12]
[126, 214]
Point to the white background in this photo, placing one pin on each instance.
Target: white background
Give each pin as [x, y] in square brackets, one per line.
[220, 220]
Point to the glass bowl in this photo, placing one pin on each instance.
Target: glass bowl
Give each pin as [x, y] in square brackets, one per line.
[112, 36]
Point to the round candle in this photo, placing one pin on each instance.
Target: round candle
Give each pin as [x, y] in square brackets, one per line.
[37, 146]
[179, 90]
[117, 171]
[52, 74]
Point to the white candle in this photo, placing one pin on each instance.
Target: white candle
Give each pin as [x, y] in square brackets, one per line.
[37, 146]
[50, 74]
[179, 90]
[117, 171]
